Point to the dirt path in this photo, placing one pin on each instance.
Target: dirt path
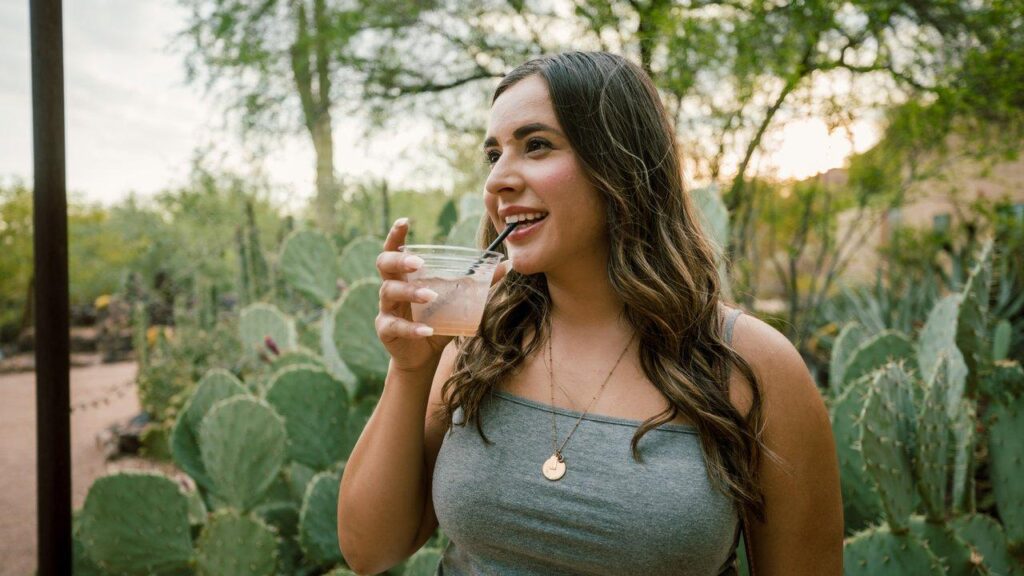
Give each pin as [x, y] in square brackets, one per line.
[18, 450]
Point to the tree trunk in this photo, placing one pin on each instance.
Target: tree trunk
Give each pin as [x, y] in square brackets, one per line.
[326, 183]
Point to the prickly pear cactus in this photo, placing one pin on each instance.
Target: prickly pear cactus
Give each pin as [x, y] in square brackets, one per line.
[1002, 339]
[339, 571]
[243, 445]
[884, 443]
[939, 336]
[1006, 452]
[215, 385]
[137, 523]
[315, 408]
[359, 413]
[234, 545]
[261, 321]
[359, 259]
[332, 360]
[933, 435]
[943, 542]
[1005, 382]
[850, 337]
[880, 552]
[986, 536]
[964, 439]
[423, 563]
[877, 351]
[465, 232]
[861, 505]
[355, 335]
[308, 264]
[318, 521]
[298, 476]
[972, 326]
[283, 517]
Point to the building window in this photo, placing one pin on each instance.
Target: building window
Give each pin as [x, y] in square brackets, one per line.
[940, 223]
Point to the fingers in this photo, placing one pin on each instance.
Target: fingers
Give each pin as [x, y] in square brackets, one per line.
[391, 264]
[392, 327]
[396, 236]
[394, 293]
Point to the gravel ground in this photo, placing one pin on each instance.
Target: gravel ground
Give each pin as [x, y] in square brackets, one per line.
[18, 450]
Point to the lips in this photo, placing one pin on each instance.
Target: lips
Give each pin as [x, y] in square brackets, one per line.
[524, 229]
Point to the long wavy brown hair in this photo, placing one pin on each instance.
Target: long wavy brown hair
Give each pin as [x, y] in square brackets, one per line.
[661, 265]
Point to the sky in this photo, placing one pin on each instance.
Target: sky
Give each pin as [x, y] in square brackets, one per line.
[133, 124]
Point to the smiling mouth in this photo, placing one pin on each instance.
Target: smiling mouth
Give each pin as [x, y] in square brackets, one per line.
[522, 224]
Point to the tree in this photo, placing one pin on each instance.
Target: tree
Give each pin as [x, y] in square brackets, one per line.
[283, 66]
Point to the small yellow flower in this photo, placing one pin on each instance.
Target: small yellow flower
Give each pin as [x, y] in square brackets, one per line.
[102, 301]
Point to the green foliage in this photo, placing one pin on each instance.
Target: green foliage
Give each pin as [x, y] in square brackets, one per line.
[234, 545]
[355, 334]
[309, 263]
[359, 259]
[243, 446]
[318, 521]
[216, 385]
[136, 523]
[176, 362]
[882, 552]
[315, 409]
[1006, 428]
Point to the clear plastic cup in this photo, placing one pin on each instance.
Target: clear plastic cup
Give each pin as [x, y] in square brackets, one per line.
[461, 295]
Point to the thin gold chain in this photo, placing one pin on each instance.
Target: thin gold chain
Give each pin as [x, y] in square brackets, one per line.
[551, 379]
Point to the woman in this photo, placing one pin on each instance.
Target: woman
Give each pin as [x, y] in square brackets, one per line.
[611, 416]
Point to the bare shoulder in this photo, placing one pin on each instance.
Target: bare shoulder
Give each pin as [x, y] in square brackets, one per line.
[803, 532]
[786, 384]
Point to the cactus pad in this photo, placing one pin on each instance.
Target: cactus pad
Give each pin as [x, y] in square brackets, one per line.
[1006, 452]
[308, 264]
[464, 232]
[877, 351]
[861, 506]
[942, 541]
[986, 536]
[879, 552]
[359, 259]
[355, 335]
[136, 523]
[318, 520]
[243, 444]
[315, 410]
[233, 545]
[423, 563]
[933, 464]
[260, 321]
[850, 337]
[885, 445]
[215, 385]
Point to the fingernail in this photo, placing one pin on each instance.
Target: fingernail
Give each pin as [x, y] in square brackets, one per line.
[424, 331]
[401, 222]
[426, 294]
[412, 262]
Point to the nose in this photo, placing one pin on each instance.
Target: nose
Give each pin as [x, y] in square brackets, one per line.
[504, 176]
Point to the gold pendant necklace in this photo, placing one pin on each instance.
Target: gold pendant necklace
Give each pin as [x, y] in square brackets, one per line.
[554, 467]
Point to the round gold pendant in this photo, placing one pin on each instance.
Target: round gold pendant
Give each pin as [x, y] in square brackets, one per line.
[554, 468]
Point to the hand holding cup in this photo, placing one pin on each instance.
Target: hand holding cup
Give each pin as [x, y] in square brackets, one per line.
[412, 345]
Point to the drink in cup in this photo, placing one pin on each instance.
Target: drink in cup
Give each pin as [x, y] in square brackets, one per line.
[461, 277]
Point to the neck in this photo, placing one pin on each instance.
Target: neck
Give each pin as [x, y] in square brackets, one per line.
[584, 302]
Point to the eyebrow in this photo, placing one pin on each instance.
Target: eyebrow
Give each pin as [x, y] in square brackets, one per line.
[522, 132]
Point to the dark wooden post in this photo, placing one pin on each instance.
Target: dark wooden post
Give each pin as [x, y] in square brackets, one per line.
[50, 243]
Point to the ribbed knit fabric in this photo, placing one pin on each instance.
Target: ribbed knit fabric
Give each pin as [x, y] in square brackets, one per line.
[608, 515]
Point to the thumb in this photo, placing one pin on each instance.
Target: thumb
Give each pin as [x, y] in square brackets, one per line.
[500, 271]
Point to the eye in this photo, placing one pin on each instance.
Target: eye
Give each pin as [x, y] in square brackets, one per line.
[491, 156]
[537, 144]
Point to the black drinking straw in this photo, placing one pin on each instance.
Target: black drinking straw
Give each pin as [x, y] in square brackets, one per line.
[501, 238]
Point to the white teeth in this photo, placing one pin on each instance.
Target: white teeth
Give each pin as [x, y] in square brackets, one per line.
[521, 217]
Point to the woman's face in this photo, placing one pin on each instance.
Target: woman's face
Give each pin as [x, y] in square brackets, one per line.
[534, 170]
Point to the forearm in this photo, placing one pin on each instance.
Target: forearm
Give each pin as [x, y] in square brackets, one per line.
[382, 495]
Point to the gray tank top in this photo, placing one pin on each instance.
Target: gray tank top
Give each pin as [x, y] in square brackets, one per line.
[607, 515]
